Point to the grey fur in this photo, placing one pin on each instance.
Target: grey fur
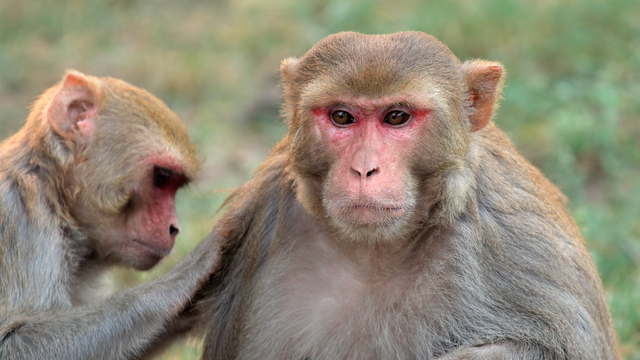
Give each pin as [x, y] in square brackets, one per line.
[492, 267]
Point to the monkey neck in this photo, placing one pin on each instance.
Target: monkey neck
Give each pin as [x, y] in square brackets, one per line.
[90, 280]
[382, 260]
[374, 264]
[379, 258]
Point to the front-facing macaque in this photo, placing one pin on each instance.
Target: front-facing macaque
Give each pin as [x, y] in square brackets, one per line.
[89, 183]
[396, 221]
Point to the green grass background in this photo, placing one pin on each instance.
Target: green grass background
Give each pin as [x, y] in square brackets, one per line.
[571, 105]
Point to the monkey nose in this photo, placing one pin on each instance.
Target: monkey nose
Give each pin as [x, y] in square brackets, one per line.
[364, 164]
[364, 173]
[173, 230]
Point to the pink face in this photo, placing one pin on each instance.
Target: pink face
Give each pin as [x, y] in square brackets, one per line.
[372, 139]
[152, 227]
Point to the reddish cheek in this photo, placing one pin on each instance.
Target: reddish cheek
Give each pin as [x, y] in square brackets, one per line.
[164, 203]
[160, 215]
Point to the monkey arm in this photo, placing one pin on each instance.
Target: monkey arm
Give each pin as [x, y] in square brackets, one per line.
[223, 300]
[123, 324]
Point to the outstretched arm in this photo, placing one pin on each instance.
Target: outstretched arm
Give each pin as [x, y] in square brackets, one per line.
[121, 325]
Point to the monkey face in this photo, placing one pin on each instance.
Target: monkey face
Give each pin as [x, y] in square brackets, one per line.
[373, 118]
[356, 152]
[149, 220]
[369, 192]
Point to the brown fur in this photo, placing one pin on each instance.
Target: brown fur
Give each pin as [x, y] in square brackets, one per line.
[76, 191]
[484, 263]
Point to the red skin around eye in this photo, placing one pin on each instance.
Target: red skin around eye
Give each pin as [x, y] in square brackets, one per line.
[371, 156]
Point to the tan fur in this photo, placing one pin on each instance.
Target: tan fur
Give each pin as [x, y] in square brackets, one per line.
[483, 263]
[77, 196]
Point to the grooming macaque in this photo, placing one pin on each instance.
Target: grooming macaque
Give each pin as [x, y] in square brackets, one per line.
[396, 221]
[89, 183]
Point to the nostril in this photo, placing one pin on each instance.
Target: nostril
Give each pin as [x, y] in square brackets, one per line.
[371, 172]
[173, 230]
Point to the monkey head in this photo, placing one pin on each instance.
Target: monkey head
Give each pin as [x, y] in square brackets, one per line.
[124, 154]
[378, 125]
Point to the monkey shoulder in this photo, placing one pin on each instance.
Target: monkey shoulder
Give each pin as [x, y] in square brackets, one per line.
[520, 209]
[508, 186]
[528, 246]
[35, 260]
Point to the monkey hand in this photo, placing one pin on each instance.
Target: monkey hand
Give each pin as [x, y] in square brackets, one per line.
[195, 269]
[506, 350]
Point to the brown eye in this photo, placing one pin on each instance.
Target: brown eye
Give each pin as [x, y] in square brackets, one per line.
[397, 117]
[342, 118]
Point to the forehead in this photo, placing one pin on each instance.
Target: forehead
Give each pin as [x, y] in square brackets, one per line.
[376, 65]
[133, 121]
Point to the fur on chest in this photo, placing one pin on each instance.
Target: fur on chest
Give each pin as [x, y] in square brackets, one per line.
[318, 303]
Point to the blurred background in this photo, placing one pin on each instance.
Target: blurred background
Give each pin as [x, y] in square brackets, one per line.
[571, 105]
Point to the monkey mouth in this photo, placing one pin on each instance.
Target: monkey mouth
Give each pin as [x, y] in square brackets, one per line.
[370, 213]
[153, 251]
[377, 208]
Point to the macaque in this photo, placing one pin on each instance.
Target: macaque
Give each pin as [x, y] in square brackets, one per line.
[396, 221]
[89, 183]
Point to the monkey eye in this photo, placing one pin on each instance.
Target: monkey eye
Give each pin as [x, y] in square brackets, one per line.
[397, 117]
[341, 117]
[162, 177]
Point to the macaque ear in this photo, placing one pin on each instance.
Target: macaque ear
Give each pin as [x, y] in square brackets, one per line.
[483, 81]
[287, 73]
[287, 69]
[73, 110]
